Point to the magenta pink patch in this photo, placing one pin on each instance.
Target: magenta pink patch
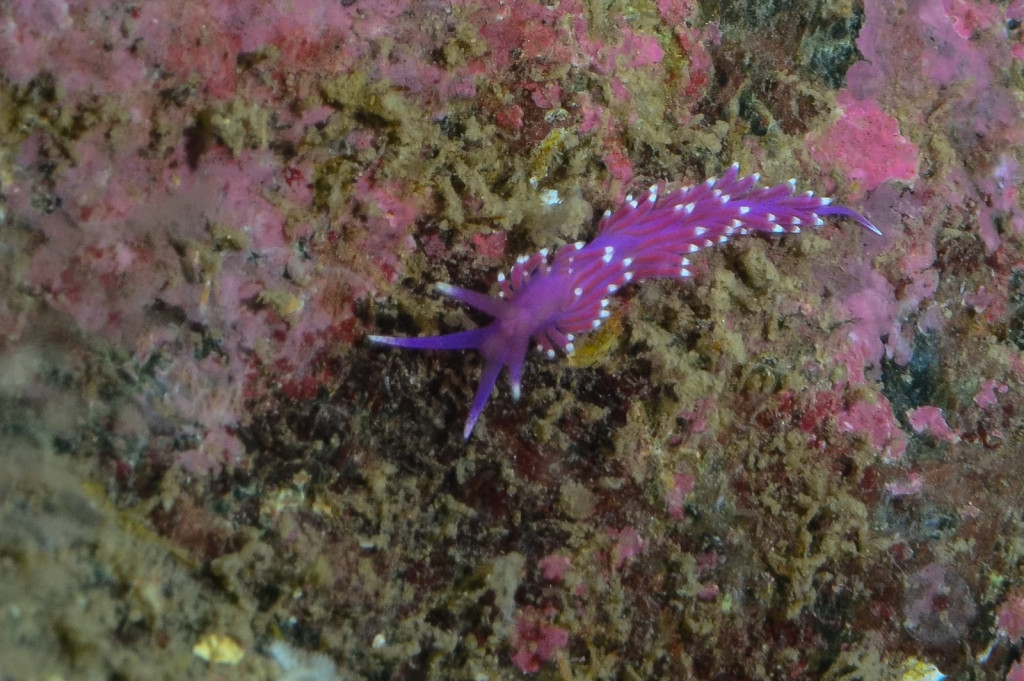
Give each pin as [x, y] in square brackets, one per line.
[629, 544]
[682, 485]
[619, 165]
[554, 567]
[510, 118]
[876, 421]
[866, 146]
[912, 486]
[491, 245]
[986, 396]
[969, 18]
[930, 420]
[536, 641]
[1010, 618]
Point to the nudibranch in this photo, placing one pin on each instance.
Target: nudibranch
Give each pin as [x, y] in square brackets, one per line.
[552, 299]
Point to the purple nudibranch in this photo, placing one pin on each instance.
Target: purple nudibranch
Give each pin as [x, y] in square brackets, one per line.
[552, 300]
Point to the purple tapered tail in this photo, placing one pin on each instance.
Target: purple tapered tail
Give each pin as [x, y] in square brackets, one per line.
[852, 214]
[551, 300]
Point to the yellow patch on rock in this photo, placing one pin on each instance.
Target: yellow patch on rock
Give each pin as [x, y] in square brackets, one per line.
[218, 649]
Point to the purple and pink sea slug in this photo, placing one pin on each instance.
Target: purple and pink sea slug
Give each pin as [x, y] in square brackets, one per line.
[552, 299]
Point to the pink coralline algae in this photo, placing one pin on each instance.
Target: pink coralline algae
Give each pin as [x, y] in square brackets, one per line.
[553, 299]
[682, 485]
[536, 641]
[1010, 618]
[930, 420]
[1016, 672]
[876, 422]
[938, 606]
[628, 545]
[865, 144]
[554, 567]
[911, 486]
[986, 396]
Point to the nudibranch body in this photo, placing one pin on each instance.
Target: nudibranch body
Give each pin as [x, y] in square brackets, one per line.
[552, 299]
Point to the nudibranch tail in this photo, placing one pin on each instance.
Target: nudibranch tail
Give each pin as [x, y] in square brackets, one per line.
[550, 300]
[849, 213]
